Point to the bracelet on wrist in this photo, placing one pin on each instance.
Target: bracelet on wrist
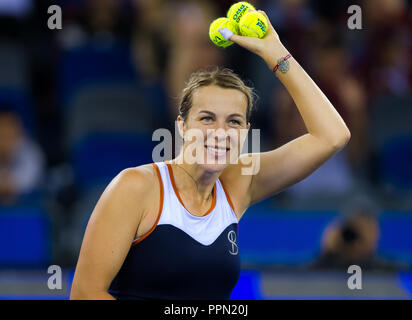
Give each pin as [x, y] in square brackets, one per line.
[283, 64]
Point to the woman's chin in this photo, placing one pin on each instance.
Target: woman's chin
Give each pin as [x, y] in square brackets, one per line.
[216, 163]
[214, 166]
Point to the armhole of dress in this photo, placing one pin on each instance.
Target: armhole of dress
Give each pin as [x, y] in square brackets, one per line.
[140, 239]
[229, 200]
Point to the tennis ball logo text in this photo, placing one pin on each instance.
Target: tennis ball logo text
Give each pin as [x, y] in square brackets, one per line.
[218, 40]
[239, 13]
[261, 26]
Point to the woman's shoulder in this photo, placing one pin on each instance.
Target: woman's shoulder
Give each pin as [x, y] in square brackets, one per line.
[135, 186]
[138, 177]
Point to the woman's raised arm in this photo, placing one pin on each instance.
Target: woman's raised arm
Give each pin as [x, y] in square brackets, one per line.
[327, 132]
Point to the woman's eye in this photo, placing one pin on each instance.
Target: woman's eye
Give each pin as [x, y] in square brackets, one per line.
[235, 122]
[206, 118]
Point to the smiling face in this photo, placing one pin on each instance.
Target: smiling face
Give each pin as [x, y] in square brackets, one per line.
[215, 128]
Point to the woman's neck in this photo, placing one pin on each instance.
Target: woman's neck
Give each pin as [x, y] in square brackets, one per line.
[193, 180]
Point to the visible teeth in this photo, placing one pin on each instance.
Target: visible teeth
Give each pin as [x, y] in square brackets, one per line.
[217, 149]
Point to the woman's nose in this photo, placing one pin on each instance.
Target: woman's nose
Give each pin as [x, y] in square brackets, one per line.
[217, 135]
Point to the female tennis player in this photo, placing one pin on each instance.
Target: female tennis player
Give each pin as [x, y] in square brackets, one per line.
[168, 230]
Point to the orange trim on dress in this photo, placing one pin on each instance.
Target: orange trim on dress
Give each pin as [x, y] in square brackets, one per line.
[136, 241]
[178, 196]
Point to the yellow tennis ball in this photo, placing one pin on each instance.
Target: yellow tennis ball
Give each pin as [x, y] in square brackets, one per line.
[253, 24]
[237, 10]
[214, 34]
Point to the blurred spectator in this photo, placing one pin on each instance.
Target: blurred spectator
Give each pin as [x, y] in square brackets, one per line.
[288, 123]
[353, 240]
[339, 174]
[21, 161]
[150, 37]
[104, 21]
[386, 61]
[333, 74]
[293, 20]
[328, 62]
[14, 19]
[150, 43]
[106, 17]
[15, 8]
[191, 48]
[332, 178]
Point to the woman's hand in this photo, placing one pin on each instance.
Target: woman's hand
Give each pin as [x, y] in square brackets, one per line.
[266, 47]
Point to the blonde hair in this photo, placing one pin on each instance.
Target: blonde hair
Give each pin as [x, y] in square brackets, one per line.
[222, 77]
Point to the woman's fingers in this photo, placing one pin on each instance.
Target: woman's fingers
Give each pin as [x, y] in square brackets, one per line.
[270, 27]
[250, 43]
[226, 33]
[240, 40]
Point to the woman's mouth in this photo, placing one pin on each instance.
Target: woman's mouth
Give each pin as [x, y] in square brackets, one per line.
[216, 151]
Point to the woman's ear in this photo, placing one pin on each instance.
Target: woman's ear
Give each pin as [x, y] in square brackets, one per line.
[180, 126]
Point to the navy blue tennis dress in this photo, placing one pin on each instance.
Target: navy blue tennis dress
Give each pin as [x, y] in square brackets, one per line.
[183, 256]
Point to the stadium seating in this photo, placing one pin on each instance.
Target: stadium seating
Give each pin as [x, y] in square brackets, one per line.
[293, 237]
[97, 158]
[391, 139]
[14, 66]
[14, 77]
[107, 108]
[94, 63]
[25, 232]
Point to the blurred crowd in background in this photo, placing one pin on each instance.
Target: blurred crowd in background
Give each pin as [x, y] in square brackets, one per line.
[80, 104]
